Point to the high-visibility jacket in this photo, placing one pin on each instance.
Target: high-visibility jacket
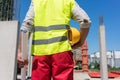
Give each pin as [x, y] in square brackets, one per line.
[52, 18]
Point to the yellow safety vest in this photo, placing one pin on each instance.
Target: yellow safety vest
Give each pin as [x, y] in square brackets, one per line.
[51, 21]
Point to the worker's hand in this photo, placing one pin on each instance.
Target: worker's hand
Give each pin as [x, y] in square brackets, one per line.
[79, 44]
[21, 61]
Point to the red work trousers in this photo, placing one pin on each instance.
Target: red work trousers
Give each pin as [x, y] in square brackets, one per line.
[56, 67]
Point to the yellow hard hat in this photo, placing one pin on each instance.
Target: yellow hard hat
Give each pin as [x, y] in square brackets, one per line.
[73, 35]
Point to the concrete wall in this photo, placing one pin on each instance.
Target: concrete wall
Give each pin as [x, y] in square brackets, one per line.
[8, 49]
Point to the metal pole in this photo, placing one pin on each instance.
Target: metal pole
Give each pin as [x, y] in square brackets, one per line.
[114, 59]
[103, 58]
[30, 58]
[24, 54]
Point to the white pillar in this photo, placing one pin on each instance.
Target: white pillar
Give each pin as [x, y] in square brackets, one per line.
[112, 59]
[103, 58]
[24, 54]
[30, 58]
[8, 49]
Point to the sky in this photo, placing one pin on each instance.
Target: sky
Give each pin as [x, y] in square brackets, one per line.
[110, 11]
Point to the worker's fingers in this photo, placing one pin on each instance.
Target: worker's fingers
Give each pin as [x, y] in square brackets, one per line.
[75, 46]
[26, 61]
[21, 62]
[21, 65]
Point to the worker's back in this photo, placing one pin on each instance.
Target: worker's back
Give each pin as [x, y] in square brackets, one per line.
[53, 11]
[51, 19]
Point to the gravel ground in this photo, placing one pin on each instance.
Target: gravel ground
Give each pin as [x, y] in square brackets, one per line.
[78, 75]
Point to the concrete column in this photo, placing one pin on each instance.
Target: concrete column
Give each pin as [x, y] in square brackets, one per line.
[30, 58]
[112, 59]
[24, 54]
[103, 58]
[8, 49]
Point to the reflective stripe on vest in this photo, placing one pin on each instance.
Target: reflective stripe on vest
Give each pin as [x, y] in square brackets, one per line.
[48, 41]
[53, 27]
[52, 40]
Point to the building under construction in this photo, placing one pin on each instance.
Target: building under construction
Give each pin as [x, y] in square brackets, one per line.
[9, 10]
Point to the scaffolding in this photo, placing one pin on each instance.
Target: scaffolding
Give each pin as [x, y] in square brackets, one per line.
[9, 10]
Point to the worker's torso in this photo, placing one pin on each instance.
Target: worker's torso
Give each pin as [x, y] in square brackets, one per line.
[51, 20]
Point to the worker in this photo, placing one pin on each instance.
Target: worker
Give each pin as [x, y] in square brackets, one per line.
[49, 20]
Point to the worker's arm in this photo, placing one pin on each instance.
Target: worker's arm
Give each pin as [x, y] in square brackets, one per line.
[26, 27]
[83, 35]
[21, 61]
[81, 16]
